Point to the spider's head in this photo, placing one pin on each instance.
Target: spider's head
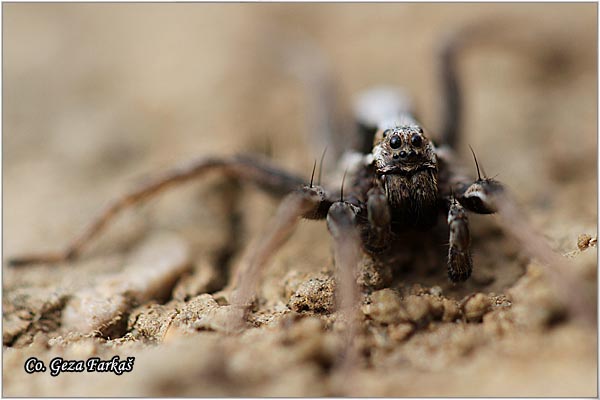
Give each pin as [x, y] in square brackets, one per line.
[402, 148]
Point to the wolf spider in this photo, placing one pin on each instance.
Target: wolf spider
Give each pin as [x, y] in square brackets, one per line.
[399, 181]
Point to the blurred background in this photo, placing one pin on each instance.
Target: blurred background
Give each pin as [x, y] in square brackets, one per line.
[97, 96]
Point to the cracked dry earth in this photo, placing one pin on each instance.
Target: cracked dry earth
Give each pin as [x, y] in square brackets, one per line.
[154, 286]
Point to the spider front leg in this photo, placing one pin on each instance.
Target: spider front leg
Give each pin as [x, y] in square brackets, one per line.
[341, 222]
[378, 233]
[309, 202]
[243, 168]
[481, 196]
[488, 196]
[460, 263]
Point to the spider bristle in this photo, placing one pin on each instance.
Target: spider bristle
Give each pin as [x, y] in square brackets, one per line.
[321, 166]
[312, 176]
[485, 175]
[342, 189]
[476, 164]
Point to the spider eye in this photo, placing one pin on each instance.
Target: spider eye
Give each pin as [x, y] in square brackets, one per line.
[416, 140]
[395, 142]
[385, 133]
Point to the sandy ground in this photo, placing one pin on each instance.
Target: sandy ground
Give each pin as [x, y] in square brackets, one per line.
[98, 96]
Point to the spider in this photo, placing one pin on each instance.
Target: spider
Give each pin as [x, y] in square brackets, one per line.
[397, 182]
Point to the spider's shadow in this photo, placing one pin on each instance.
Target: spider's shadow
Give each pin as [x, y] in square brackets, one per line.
[422, 261]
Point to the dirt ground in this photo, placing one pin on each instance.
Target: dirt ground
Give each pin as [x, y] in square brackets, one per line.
[99, 96]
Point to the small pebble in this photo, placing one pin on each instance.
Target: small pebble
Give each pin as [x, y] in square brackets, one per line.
[315, 294]
[400, 332]
[417, 308]
[436, 306]
[476, 307]
[585, 241]
[436, 291]
[385, 307]
[451, 310]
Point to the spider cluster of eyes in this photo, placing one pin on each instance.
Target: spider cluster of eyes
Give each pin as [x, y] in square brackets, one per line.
[395, 141]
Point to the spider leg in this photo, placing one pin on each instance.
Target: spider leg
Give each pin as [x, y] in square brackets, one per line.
[307, 202]
[307, 63]
[449, 55]
[310, 203]
[460, 263]
[452, 97]
[567, 284]
[481, 196]
[487, 196]
[378, 234]
[341, 222]
[244, 168]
